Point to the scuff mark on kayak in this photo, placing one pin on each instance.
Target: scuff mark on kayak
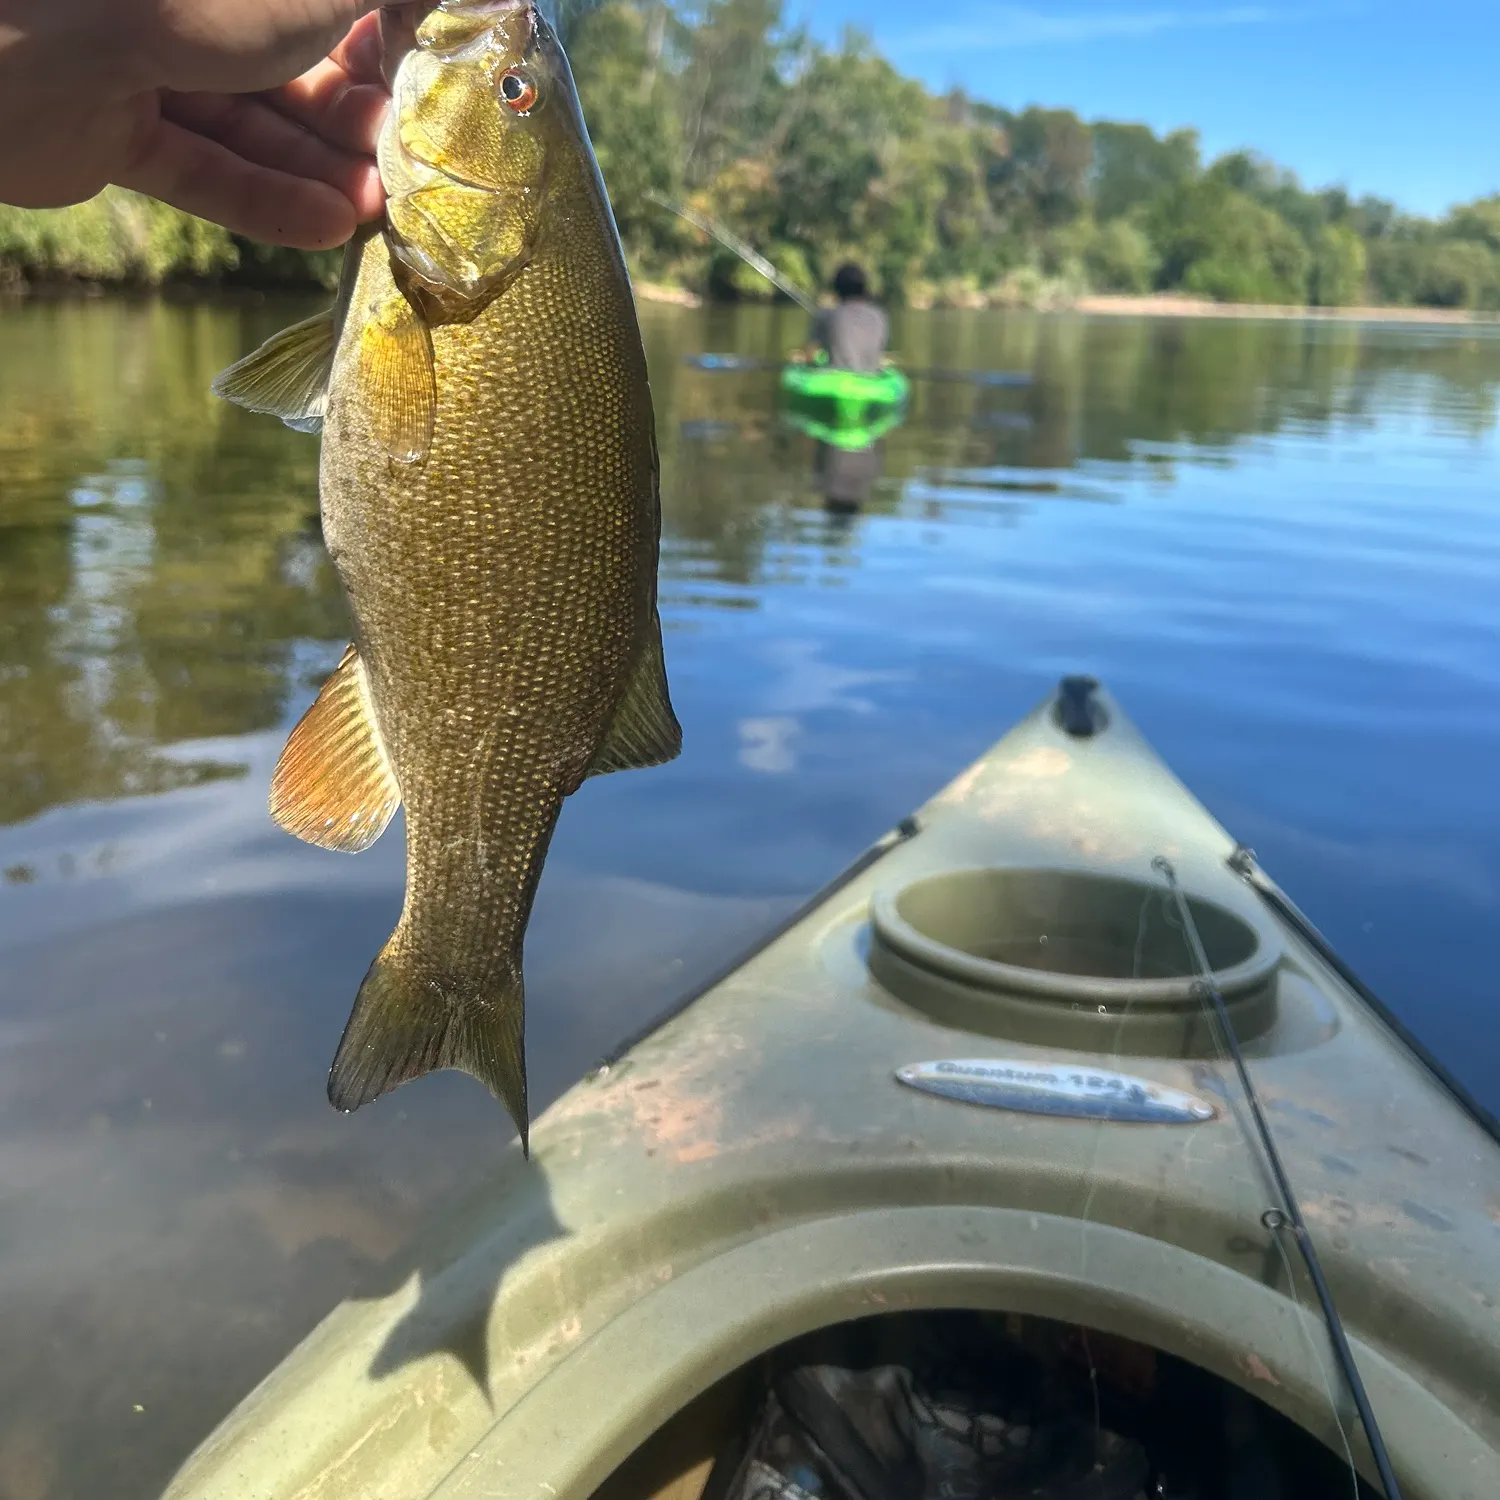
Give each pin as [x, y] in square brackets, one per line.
[681, 1108]
[1427, 1217]
[961, 787]
[1041, 762]
[1302, 1112]
[1257, 1369]
[794, 1127]
[1415, 1156]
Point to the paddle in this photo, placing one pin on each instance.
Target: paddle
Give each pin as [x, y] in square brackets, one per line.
[727, 363]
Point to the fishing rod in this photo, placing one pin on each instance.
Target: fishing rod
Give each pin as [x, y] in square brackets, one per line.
[757, 262]
[1289, 1217]
[752, 257]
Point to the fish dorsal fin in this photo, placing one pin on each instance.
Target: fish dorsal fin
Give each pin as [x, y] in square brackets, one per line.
[334, 785]
[398, 380]
[288, 375]
[645, 731]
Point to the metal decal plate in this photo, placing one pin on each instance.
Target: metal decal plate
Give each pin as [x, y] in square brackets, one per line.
[1043, 1089]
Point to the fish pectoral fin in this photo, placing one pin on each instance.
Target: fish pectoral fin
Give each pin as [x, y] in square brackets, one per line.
[644, 731]
[408, 1021]
[334, 785]
[398, 381]
[288, 375]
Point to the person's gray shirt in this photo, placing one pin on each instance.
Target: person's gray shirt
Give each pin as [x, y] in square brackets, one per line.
[854, 333]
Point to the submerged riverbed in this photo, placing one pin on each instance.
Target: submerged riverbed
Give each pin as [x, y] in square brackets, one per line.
[1277, 543]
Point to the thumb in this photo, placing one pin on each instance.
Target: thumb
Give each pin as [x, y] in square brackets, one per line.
[242, 46]
[398, 32]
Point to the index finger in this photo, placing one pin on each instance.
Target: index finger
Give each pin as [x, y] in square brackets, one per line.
[342, 99]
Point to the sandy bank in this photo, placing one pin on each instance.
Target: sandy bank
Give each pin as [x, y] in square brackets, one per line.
[1166, 304]
[650, 291]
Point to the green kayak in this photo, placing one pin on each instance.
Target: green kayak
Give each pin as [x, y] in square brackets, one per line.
[844, 407]
[977, 1077]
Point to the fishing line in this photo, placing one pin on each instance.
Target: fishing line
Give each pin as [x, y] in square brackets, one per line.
[1303, 1319]
[732, 242]
[1085, 1219]
[757, 262]
[1290, 1215]
[1273, 1220]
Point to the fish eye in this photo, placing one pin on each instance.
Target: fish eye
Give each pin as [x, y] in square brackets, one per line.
[518, 91]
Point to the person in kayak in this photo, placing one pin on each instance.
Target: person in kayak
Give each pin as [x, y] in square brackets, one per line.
[854, 331]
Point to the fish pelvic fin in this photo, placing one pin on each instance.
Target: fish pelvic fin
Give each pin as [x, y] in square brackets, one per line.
[644, 731]
[410, 1019]
[333, 785]
[288, 375]
[398, 379]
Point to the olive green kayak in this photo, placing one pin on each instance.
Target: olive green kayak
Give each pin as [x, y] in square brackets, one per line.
[845, 408]
[977, 1073]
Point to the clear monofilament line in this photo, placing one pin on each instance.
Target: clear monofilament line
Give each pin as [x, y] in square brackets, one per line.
[1290, 1208]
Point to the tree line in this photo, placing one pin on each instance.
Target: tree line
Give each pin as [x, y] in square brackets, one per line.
[816, 154]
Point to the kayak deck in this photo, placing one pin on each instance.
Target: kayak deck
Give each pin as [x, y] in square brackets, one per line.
[844, 408]
[754, 1170]
[885, 387]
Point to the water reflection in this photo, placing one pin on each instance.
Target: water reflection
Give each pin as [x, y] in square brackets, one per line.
[159, 555]
[1275, 540]
[157, 561]
[847, 476]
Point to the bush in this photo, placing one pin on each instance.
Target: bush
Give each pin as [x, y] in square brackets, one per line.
[1458, 273]
[1120, 258]
[1339, 267]
[116, 237]
[1218, 242]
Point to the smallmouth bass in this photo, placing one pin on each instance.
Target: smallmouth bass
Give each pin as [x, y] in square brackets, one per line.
[489, 497]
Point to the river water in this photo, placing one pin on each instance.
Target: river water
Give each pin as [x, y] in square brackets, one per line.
[1277, 542]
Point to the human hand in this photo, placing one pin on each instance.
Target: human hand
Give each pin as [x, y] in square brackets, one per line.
[189, 101]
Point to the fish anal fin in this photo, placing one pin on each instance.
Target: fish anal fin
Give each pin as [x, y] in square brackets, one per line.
[644, 731]
[333, 785]
[288, 375]
[409, 1020]
[398, 380]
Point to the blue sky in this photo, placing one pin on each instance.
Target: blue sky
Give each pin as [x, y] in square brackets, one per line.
[1392, 97]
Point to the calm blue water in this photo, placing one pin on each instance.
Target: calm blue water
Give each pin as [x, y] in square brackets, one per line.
[1275, 542]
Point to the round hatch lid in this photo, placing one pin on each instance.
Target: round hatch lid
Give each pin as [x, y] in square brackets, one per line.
[1071, 958]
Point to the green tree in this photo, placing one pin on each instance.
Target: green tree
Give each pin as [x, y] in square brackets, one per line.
[1043, 181]
[815, 153]
[1478, 221]
[1458, 273]
[616, 53]
[1338, 268]
[1217, 241]
[1119, 257]
[731, 88]
[1132, 166]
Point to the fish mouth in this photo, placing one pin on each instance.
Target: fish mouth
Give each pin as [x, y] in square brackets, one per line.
[398, 34]
[465, 26]
[482, 7]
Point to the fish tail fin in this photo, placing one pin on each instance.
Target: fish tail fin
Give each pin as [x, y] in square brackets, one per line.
[410, 1019]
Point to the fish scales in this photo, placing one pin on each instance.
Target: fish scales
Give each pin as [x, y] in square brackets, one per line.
[501, 573]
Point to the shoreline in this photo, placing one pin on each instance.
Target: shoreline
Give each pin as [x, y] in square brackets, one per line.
[1170, 305]
[1107, 305]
